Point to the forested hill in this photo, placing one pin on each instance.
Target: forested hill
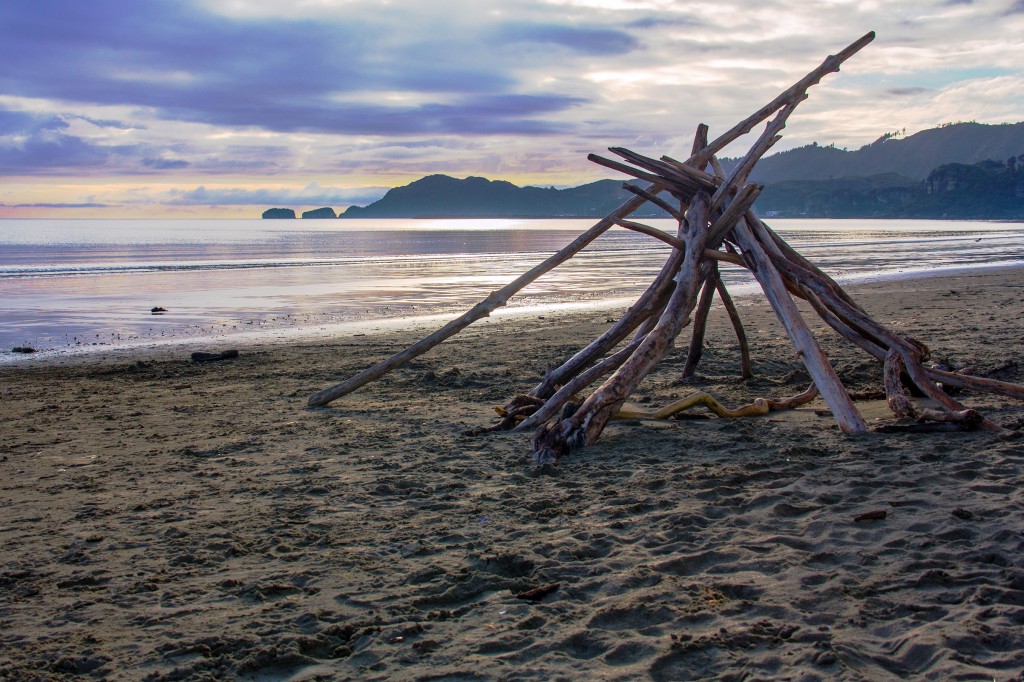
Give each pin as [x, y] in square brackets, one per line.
[441, 196]
[913, 157]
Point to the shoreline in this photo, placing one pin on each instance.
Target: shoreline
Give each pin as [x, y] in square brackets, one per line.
[169, 520]
[319, 333]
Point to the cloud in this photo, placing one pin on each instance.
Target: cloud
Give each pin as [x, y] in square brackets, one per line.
[905, 92]
[186, 63]
[667, 21]
[32, 144]
[310, 195]
[165, 164]
[585, 40]
[56, 205]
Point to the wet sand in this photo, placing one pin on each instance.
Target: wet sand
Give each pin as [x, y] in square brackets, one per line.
[165, 520]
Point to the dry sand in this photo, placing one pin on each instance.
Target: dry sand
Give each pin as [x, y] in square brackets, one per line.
[165, 520]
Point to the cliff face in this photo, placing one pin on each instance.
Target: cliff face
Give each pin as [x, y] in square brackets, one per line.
[989, 190]
[278, 213]
[325, 212]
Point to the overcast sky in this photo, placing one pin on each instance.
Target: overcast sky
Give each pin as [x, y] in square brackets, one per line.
[219, 108]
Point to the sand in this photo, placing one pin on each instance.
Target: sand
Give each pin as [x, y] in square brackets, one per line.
[164, 520]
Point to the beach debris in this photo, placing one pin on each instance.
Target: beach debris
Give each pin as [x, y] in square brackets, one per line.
[24, 349]
[760, 406]
[716, 228]
[963, 514]
[536, 593]
[874, 515]
[157, 310]
[200, 356]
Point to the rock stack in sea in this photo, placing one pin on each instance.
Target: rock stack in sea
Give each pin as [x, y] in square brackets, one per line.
[326, 212]
[278, 213]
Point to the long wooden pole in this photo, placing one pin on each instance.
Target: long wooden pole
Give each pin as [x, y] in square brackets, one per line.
[649, 303]
[814, 359]
[586, 424]
[700, 323]
[831, 64]
[579, 382]
[737, 325]
[495, 300]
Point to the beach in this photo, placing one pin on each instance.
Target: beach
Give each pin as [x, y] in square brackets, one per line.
[168, 520]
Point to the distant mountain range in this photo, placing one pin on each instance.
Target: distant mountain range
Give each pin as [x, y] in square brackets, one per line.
[962, 170]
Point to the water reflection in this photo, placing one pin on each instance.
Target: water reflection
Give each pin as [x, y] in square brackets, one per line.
[70, 281]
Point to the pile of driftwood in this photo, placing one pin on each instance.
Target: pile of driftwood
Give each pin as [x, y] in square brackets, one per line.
[716, 224]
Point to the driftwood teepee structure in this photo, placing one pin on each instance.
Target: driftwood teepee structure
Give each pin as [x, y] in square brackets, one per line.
[716, 223]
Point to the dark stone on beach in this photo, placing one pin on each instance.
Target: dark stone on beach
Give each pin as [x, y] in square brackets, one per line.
[325, 212]
[200, 356]
[279, 213]
[158, 310]
[23, 349]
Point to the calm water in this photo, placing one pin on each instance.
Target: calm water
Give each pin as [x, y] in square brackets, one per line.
[73, 284]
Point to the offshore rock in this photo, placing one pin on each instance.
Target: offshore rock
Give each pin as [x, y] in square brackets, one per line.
[272, 213]
[326, 212]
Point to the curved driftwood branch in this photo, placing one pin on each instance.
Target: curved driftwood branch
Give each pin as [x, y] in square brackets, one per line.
[759, 407]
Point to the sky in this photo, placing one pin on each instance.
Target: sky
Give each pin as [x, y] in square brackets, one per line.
[222, 108]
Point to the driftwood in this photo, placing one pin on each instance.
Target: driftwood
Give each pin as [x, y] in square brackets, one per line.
[760, 406]
[716, 224]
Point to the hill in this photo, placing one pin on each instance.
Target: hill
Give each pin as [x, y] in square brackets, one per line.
[982, 191]
[441, 196]
[914, 156]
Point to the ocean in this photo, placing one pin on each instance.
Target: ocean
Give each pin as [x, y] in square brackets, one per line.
[69, 286]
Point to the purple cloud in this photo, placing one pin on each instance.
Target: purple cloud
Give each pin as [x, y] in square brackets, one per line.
[165, 164]
[307, 196]
[40, 145]
[582, 39]
[189, 64]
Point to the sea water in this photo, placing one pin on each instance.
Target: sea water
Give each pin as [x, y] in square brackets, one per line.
[74, 285]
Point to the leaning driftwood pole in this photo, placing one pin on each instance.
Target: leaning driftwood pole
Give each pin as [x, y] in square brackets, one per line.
[700, 323]
[586, 424]
[737, 325]
[832, 391]
[649, 303]
[831, 64]
[495, 300]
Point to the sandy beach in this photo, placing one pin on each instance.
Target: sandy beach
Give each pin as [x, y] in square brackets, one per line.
[166, 520]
